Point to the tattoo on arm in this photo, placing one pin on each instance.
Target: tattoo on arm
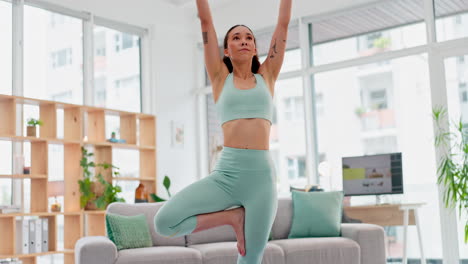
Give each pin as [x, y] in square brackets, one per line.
[205, 37]
[273, 50]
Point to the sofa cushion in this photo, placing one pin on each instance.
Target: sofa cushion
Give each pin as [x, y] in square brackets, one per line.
[149, 210]
[322, 250]
[226, 252]
[316, 214]
[283, 219]
[159, 255]
[218, 234]
[128, 231]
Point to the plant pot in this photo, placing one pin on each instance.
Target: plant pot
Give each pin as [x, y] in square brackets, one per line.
[31, 131]
[98, 189]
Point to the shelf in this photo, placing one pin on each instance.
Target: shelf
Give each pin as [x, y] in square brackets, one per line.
[82, 126]
[94, 212]
[20, 138]
[39, 102]
[66, 141]
[40, 214]
[39, 139]
[117, 145]
[24, 176]
[66, 251]
[132, 179]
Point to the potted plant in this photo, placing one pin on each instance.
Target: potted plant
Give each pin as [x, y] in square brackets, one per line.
[91, 198]
[167, 184]
[453, 167]
[31, 129]
[110, 191]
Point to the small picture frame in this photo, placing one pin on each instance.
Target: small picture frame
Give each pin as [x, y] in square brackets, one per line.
[177, 134]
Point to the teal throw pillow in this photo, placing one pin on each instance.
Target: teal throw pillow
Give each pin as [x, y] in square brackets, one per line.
[128, 231]
[316, 214]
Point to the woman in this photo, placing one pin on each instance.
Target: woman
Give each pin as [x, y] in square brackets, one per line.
[244, 175]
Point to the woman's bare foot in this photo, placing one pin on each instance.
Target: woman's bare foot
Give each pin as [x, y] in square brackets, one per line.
[238, 225]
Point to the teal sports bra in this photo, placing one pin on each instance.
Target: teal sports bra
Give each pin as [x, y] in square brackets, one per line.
[235, 103]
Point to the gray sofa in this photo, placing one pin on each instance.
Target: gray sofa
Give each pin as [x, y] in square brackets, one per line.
[359, 244]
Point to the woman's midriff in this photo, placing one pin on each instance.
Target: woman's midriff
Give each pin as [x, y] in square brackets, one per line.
[247, 133]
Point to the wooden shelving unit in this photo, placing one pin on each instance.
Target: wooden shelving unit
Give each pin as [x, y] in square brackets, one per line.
[80, 123]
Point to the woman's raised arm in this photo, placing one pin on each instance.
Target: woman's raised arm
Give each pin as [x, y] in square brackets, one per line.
[273, 62]
[213, 60]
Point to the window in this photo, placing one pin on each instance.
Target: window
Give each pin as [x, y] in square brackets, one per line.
[461, 59]
[457, 103]
[6, 48]
[378, 99]
[53, 56]
[388, 127]
[319, 104]
[296, 168]
[57, 20]
[287, 135]
[100, 44]
[451, 19]
[464, 97]
[61, 58]
[373, 40]
[125, 41]
[294, 108]
[61, 96]
[384, 144]
[374, 29]
[100, 88]
[126, 85]
[117, 73]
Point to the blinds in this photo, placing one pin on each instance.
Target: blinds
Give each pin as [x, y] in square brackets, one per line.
[377, 16]
[450, 7]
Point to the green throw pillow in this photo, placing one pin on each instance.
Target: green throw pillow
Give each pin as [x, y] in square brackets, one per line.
[316, 214]
[128, 231]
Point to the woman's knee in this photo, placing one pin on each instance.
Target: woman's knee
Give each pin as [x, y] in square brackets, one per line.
[163, 223]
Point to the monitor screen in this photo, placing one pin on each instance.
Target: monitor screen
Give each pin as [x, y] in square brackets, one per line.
[373, 174]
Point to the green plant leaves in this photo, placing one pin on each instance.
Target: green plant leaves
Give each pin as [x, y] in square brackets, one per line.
[110, 192]
[167, 184]
[35, 122]
[157, 198]
[453, 165]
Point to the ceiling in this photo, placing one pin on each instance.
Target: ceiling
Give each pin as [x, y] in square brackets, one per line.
[192, 3]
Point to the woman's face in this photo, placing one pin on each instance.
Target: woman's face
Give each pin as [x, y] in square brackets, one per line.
[240, 44]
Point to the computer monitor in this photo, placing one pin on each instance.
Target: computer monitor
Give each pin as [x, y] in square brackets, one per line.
[372, 174]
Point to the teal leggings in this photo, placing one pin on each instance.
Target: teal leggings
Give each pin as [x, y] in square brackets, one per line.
[242, 177]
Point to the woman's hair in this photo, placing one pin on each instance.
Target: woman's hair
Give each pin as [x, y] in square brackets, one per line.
[227, 61]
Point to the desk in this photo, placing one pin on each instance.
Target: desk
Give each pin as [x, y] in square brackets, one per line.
[390, 215]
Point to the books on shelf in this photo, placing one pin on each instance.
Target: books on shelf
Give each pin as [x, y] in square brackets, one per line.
[32, 236]
[7, 209]
[22, 236]
[11, 261]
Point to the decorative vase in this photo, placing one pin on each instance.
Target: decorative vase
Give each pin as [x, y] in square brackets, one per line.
[31, 131]
[141, 195]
